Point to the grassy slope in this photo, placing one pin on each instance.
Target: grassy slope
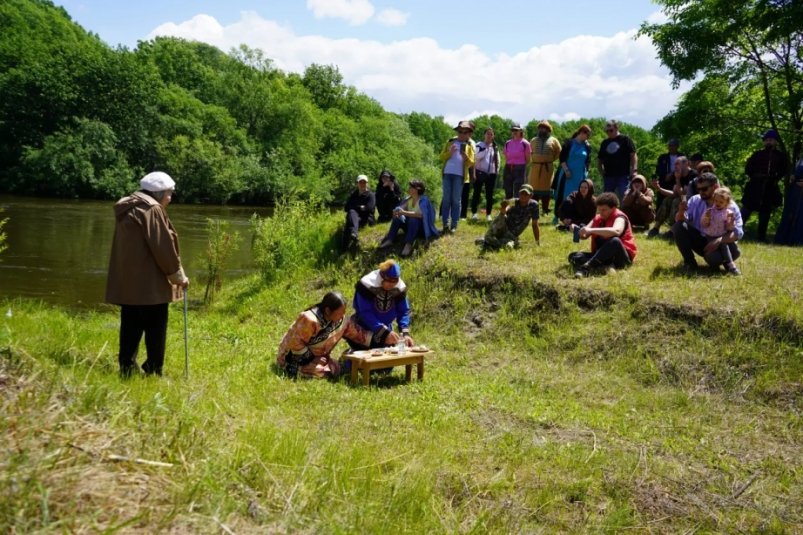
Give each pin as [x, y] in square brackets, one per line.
[552, 405]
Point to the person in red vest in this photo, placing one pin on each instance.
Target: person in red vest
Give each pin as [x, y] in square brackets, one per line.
[612, 243]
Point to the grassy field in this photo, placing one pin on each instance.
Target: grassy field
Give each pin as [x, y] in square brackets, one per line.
[643, 401]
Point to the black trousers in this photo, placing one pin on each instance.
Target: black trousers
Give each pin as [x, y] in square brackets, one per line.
[464, 199]
[689, 241]
[610, 253]
[353, 224]
[763, 220]
[484, 180]
[138, 319]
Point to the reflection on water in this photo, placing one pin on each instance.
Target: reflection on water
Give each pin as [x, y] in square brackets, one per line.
[58, 250]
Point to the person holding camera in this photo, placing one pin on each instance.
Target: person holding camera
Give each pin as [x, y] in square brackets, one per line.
[458, 159]
[612, 243]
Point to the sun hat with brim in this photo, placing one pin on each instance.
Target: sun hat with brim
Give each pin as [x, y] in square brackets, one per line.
[157, 181]
[464, 125]
[516, 126]
[526, 188]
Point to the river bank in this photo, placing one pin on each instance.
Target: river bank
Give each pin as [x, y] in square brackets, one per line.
[644, 401]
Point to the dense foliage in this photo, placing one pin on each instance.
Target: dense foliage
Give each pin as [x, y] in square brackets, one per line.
[747, 61]
[82, 120]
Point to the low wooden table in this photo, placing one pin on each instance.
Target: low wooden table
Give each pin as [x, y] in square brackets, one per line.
[363, 361]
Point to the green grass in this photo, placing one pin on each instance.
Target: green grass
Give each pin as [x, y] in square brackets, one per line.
[641, 401]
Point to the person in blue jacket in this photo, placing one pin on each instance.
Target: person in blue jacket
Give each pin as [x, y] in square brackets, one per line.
[416, 216]
[380, 299]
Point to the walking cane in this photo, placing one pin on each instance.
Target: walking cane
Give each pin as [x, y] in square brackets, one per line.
[186, 343]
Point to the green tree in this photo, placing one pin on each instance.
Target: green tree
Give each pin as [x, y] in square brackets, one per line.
[81, 161]
[749, 42]
[325, 84]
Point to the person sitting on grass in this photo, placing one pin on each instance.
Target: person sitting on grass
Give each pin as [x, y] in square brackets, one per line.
[416, 216]
[637, 203]
[670, 192]
[580, 207]
[688, 228]
[380, 298]
[612, 243]
[512, 220]
[359, 211]
[388, 196]
[306, 348]
[719, 220]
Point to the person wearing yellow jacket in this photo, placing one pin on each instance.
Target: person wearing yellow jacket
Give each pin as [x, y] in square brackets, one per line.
[458, 158]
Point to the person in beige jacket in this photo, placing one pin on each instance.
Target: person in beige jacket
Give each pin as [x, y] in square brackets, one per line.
[145, 271]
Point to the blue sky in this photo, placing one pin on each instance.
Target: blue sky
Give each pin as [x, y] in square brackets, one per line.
[523, 60]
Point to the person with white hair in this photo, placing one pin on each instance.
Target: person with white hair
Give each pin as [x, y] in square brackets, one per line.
[145, 272]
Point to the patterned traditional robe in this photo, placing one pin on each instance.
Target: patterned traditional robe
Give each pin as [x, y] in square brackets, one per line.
[306, 347]
[544, 153]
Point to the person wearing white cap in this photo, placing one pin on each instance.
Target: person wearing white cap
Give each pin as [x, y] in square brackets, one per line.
[359, 211]
[145, 271]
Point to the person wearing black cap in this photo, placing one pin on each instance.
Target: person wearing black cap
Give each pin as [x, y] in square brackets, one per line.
[388, 196]
[145, 271]
[513, 218]
[764, 169]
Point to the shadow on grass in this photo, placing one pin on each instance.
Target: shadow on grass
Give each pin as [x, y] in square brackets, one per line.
[684, 272]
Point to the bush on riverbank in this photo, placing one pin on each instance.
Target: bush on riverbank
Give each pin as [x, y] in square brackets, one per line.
[644, 400]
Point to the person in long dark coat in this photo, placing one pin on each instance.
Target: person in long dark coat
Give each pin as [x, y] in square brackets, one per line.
[765, 169]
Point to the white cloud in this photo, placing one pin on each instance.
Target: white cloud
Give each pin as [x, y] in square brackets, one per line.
[659, 17]
[355, 12]
[584, 76]
[392, 17]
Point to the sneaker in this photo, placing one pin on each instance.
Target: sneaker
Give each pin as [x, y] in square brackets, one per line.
[733, 270]
[489, 218]
[452, 230]
[462, 219]
[408, 249]
[479, 241]
[510, 245]
[652, 233]
[581, 272]
[474, 217]
[610, 270]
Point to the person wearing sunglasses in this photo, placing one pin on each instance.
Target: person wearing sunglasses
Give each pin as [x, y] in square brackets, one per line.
[689, 232]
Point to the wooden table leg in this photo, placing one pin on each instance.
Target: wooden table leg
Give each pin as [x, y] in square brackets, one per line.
[408, 372]
[421, 369]
[353, 372]
[366, 374]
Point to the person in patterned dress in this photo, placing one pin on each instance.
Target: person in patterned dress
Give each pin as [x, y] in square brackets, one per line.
[306, 348]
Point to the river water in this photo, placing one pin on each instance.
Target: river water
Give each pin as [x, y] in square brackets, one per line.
[58, 250]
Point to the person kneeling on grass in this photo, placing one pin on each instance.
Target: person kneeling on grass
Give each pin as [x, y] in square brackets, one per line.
[612, 243]
[511, 222]
[689, 231]
[416, 216]
[306, 348]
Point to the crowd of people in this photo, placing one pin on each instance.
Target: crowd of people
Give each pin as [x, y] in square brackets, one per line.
[146, 273]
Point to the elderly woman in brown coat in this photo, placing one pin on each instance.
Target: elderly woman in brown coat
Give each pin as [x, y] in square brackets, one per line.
[144, 271]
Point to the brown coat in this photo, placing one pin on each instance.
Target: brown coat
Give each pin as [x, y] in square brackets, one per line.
[145, 256]
[638, 205]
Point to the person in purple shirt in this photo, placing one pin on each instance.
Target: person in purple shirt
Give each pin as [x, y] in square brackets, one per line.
[688, 229]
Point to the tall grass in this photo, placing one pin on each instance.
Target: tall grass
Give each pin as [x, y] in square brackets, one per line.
[221, 242]
[644, 401]
[298, 236]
